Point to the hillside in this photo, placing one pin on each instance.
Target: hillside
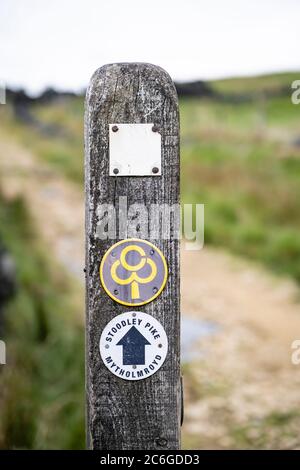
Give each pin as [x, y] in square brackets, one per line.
[241, 158]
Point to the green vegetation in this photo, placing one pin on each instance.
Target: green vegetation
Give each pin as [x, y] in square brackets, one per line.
[240, 160]
[255, 84]
[270, 432]
[60, 142]
[41, 396]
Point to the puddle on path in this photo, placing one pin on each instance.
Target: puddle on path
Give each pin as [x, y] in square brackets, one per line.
[192, 331]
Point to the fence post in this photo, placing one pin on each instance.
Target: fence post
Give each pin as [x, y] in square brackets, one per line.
[129, 412]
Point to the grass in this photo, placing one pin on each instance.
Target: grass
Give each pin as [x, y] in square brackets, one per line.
[275, 431]
[237, 159]
[42, 384]
[255, 84]
[241, 163]
[61, 145]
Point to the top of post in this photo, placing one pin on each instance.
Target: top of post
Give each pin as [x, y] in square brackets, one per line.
[120, 73]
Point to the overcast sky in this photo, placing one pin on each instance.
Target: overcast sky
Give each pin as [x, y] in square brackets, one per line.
[61, 42]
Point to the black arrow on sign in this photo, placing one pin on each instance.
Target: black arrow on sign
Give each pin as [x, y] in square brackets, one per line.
[133, 343]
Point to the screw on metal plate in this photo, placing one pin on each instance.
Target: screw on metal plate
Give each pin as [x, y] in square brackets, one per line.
[155, 128]
[155, 170]
[116, 171]
[115, 128]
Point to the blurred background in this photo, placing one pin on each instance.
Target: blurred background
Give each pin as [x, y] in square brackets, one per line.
[234, 63]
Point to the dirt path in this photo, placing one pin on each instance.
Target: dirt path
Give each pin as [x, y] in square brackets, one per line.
[56, 205]
[243, 390]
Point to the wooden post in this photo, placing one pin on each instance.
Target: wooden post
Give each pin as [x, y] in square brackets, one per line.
[131, 414]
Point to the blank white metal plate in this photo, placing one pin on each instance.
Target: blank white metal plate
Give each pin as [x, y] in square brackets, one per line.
[134, 150]
[133, 345]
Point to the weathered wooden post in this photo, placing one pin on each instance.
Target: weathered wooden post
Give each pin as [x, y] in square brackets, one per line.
[132, 286]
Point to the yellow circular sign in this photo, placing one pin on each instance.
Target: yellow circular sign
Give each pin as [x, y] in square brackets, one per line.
[133, 272]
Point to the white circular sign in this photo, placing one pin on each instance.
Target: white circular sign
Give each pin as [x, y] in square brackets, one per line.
[133, 345]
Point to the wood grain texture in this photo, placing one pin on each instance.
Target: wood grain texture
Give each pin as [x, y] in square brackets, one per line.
[124, 414]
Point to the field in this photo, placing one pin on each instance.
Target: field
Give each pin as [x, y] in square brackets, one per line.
[239, 157]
